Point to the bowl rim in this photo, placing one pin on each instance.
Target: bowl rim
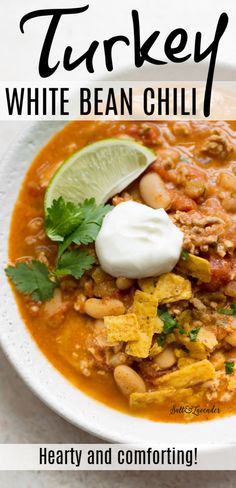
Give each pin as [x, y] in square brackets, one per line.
[34, 368]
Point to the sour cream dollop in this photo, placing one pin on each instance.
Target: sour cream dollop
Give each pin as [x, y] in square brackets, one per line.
[136, 241]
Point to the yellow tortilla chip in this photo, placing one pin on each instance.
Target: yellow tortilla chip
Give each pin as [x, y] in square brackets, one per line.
[195, 399]
[155, 349]
[208, 338]
[158, 397]
[197, 267]
[145, 305]
[189, 376]
[158, 326]
[183, 362]
[195, 349]
[141, 347]
[171, 288]
[99, 276]
[122, 327]
[148, 284]
[145, 308]
[170, 338]
[179, 353]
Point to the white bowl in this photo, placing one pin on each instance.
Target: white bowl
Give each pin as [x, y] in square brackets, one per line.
[34, 368]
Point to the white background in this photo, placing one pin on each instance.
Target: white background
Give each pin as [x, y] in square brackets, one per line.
[105, 18]
[23, 418]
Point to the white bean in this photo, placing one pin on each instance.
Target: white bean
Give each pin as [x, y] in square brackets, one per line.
[99, 323]
[231, 338]
[153, 191]
[54, 305]
[100, 308]
[230, 289]
[227, 181]
[194, 188]
[166, 358]
[128, 381]
[35, 224]
[124, 283]
[217, 359]
[229, 203]
[117, 359]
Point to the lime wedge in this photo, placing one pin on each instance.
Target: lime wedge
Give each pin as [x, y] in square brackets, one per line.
[99, 170]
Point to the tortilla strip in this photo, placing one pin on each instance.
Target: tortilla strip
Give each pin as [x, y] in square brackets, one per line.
[155, 349]
[145, 308]
[208, 338]
[148, 284]
[197, 267]
[158, 326]
[195, 349]
[122, 327]
[191, 375]
[171, 288]
[159, 396]
[145, 305]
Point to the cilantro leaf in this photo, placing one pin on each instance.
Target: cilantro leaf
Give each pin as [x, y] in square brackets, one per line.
[228, 311]
[84, 234]
[62, 219]
[88, 229]
[33, 279]
[184, 255]
[229, 367]
[161, 339]
[169, 322]
[169, 325]
[193, 333]
[93, 213]
[65, 223]
[74, 263]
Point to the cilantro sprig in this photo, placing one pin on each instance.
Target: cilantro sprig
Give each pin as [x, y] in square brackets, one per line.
[193, 333]
[89, 224]
[32, 278]
[229, 367]
[74, 263]
[62, 219]
[65, 223]
[169, 324]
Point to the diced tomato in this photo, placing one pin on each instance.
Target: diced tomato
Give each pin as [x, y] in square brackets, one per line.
[182, 202]
[230, 234]
[149, 134]
[221, 271]
[160, 170]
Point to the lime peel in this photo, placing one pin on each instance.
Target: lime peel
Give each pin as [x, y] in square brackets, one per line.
[99, 170]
